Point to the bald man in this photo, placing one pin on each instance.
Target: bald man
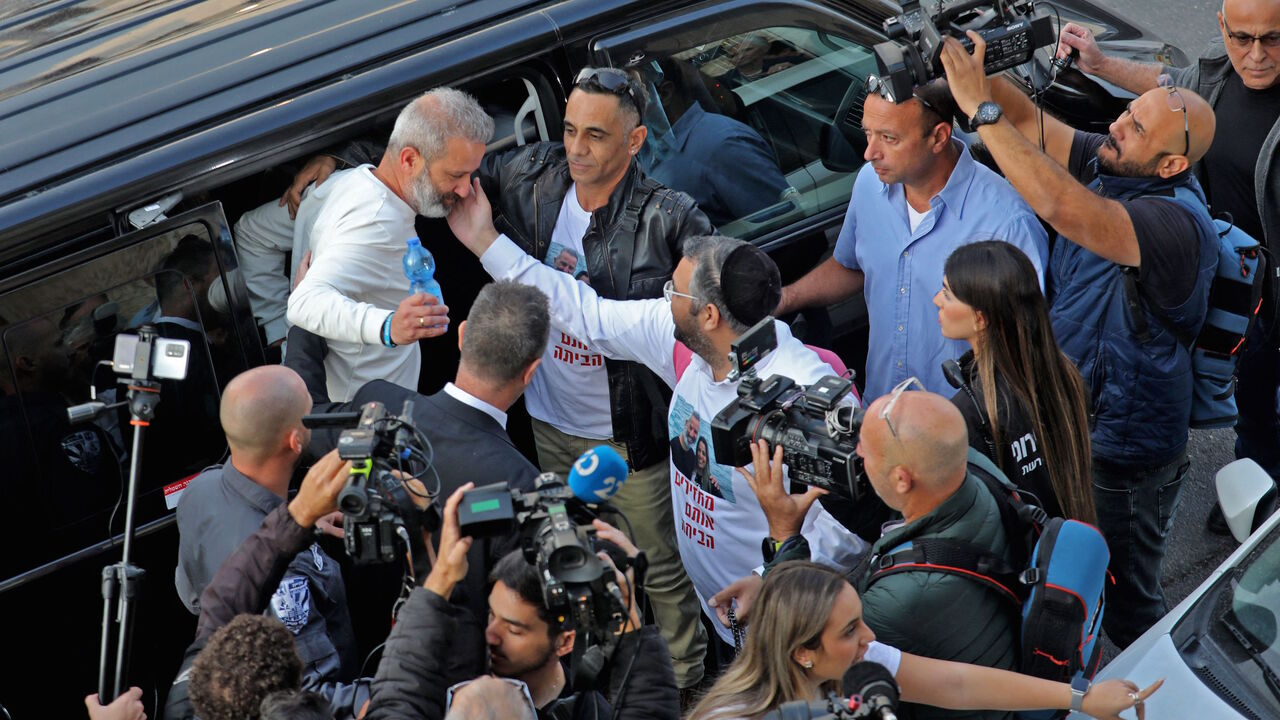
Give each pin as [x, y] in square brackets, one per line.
[1240, 77]
[916, 460]
[261, 413]
[1129, 276]
[489, 698]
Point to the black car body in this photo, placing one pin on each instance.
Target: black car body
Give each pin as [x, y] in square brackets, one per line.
[119, 112]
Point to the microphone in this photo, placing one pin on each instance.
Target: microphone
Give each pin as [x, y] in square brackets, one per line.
[597, 475]
[872, 691]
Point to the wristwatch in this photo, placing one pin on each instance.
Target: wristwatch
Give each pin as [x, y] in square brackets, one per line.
[1079, 684]
[769, 549]
[988, 113]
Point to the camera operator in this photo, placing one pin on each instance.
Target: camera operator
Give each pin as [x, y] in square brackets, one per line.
[720, 289]
[914, 446]
[230, 677]
[261, 414]
[526, 642]
[1136, 250]
[501, 343]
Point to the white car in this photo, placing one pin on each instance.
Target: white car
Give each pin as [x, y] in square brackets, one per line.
[1219, 649]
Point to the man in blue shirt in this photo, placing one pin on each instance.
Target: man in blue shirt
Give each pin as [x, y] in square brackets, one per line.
[920, 196]
[724, 164]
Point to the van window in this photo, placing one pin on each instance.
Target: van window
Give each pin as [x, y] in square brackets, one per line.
[742, 122]
[56, 335]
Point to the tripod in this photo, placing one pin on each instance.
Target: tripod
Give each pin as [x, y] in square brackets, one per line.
[122, 582]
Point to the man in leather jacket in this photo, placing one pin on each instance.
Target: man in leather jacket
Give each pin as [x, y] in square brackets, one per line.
[589, 195]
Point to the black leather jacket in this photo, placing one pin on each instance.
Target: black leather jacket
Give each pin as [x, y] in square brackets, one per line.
[527, 186]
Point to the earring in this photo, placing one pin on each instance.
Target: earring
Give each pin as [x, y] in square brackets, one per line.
[808, 664]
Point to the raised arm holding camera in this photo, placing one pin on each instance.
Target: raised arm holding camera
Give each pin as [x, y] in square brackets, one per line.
[526, 643]
[1136, 247]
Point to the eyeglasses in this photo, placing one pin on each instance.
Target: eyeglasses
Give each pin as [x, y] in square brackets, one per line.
[893, 400]
[1270, 41]
[1175, 104]
[519, 684]
[611, 80]
[669, 289]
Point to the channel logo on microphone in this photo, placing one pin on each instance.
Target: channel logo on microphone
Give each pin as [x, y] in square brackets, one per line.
[597, 474]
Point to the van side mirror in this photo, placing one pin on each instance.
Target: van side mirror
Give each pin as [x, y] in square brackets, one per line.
[1247, 496]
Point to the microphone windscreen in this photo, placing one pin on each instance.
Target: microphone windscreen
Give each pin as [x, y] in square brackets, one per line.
[597, 474]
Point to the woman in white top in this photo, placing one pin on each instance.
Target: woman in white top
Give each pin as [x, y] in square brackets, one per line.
[807, 630]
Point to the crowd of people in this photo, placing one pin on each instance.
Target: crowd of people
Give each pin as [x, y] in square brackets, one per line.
[613, 310]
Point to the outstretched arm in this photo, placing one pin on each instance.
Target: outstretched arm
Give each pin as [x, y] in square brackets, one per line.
[1099, 225]
[959, 686]
[639, 330]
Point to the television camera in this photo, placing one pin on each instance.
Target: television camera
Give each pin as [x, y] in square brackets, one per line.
[379, 516]
[912, 56]
[817, 426]
[553, 522]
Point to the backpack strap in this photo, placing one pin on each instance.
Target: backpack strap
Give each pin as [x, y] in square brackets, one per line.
[681, 355]
[952, 557]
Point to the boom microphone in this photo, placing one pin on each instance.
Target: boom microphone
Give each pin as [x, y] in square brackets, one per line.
[597, 475]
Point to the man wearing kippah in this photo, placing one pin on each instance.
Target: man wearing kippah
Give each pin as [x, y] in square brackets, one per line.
[720, 289]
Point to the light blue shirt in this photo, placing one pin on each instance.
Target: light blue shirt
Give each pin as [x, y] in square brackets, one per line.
[904, 269]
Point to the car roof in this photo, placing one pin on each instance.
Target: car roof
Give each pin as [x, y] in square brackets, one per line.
[82, 82]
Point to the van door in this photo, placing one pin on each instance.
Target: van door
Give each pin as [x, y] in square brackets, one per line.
[65, 484]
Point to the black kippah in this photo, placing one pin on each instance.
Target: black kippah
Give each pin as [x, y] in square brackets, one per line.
[750, 283]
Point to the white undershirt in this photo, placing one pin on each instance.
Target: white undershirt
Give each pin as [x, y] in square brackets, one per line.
[915, 218]
[570, 390]
[467, 398]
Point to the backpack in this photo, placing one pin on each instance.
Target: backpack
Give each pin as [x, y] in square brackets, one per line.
[1053, 584]
[1235, 298]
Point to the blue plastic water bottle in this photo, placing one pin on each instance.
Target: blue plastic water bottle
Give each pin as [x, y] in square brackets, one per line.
[420, 268]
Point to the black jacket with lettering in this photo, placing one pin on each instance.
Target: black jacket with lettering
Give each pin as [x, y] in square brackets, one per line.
[1020, 455]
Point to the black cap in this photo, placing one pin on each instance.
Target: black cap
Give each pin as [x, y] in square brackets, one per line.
[750, 283]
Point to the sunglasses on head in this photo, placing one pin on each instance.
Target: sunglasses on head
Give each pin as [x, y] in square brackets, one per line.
[611, 80]
[881, 88]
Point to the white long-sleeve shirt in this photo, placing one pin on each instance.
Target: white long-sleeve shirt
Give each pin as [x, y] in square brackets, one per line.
[355, 281]
[719, 522]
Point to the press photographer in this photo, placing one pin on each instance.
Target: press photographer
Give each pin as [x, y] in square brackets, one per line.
[526, 643]
[501, 344]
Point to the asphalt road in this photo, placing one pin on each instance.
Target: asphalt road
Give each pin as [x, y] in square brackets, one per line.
[1193, 552]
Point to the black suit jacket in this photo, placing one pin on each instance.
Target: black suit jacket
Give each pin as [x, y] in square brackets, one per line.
[467, 445]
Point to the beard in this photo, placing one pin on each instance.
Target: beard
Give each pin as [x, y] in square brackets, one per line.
[1121, 167]
[429, 202]
[696, 340]
[504, 666]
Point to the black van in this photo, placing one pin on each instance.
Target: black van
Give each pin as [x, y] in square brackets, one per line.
[135, 130]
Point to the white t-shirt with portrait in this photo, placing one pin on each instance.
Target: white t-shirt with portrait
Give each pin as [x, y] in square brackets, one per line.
[570, 390]
[719, 522]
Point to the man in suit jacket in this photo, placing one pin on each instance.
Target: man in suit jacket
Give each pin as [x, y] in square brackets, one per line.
[501, 343]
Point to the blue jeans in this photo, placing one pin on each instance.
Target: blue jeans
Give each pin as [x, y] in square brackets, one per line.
[1135, 508]
[1258, 429]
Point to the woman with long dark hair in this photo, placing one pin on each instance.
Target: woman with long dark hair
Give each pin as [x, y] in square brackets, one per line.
[1025, 400]
[806, 631]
